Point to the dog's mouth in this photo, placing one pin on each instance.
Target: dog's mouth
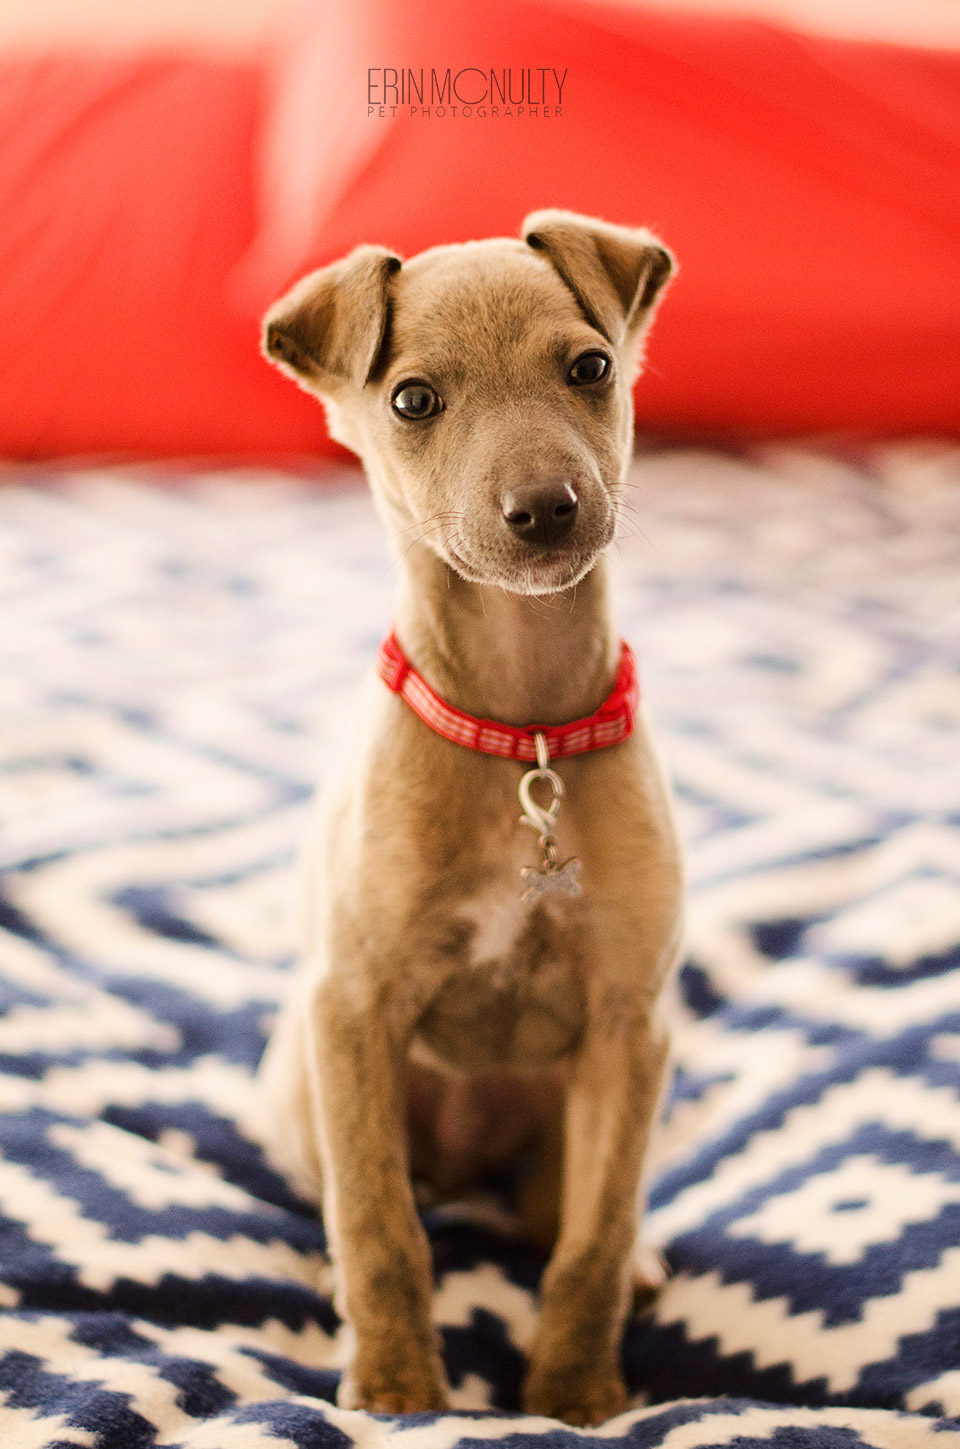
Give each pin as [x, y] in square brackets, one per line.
[536, 569]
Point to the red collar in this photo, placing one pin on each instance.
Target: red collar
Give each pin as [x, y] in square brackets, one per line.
[610, 724]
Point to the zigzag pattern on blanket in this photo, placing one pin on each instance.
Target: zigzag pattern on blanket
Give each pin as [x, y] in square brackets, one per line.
[175, 659]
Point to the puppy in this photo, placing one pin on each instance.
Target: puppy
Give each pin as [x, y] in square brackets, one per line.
[472, 989]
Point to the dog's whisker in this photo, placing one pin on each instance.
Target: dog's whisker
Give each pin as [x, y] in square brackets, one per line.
[424, 522]
[623, 507]
[425, 530]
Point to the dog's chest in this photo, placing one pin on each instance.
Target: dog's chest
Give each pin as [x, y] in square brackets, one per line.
[515, 994]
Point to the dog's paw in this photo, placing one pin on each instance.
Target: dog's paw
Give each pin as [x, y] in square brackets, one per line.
[649, 1271]
[409, 1391]
[583, 1399]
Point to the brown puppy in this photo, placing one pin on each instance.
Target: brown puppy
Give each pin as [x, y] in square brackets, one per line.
[440, 1022]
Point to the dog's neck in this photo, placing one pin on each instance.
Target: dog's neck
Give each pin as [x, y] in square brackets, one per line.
[509, 657]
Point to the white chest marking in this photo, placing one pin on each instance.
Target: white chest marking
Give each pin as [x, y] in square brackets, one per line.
[498, 919]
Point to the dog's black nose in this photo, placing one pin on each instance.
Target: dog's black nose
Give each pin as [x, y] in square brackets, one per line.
[541, 512]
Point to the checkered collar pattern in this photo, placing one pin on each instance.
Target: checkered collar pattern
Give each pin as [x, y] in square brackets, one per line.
[608, 725]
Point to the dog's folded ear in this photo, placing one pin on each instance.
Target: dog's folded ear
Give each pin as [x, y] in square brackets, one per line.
[615, 273]
[329, 328]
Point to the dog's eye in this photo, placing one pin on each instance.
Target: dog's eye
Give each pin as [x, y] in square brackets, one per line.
[415, 400]
[588, 368]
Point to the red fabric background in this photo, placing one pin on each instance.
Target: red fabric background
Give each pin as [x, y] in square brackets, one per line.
[151, 207]
[126, 199]
[809, 187]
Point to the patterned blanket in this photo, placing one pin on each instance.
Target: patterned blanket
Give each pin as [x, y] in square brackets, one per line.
[176, 652]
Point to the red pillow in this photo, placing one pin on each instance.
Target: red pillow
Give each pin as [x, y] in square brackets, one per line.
[125, 201]
[808, 186]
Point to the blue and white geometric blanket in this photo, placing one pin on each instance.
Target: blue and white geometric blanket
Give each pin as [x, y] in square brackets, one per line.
[175, 653]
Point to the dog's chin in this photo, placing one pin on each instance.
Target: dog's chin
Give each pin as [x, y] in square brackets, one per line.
[546, 572]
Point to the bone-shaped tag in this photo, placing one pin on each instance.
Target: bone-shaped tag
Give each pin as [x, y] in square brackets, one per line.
[561, 879]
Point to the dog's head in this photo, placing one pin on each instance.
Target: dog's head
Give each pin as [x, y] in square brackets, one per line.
[486, 387]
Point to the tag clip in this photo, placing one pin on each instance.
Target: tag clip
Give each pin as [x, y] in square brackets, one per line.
[550, 877]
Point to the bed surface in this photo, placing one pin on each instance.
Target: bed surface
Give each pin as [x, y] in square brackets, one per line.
[176, 652]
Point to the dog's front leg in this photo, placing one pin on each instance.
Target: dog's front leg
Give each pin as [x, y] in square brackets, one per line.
[381, 1254]
[613, 1096]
